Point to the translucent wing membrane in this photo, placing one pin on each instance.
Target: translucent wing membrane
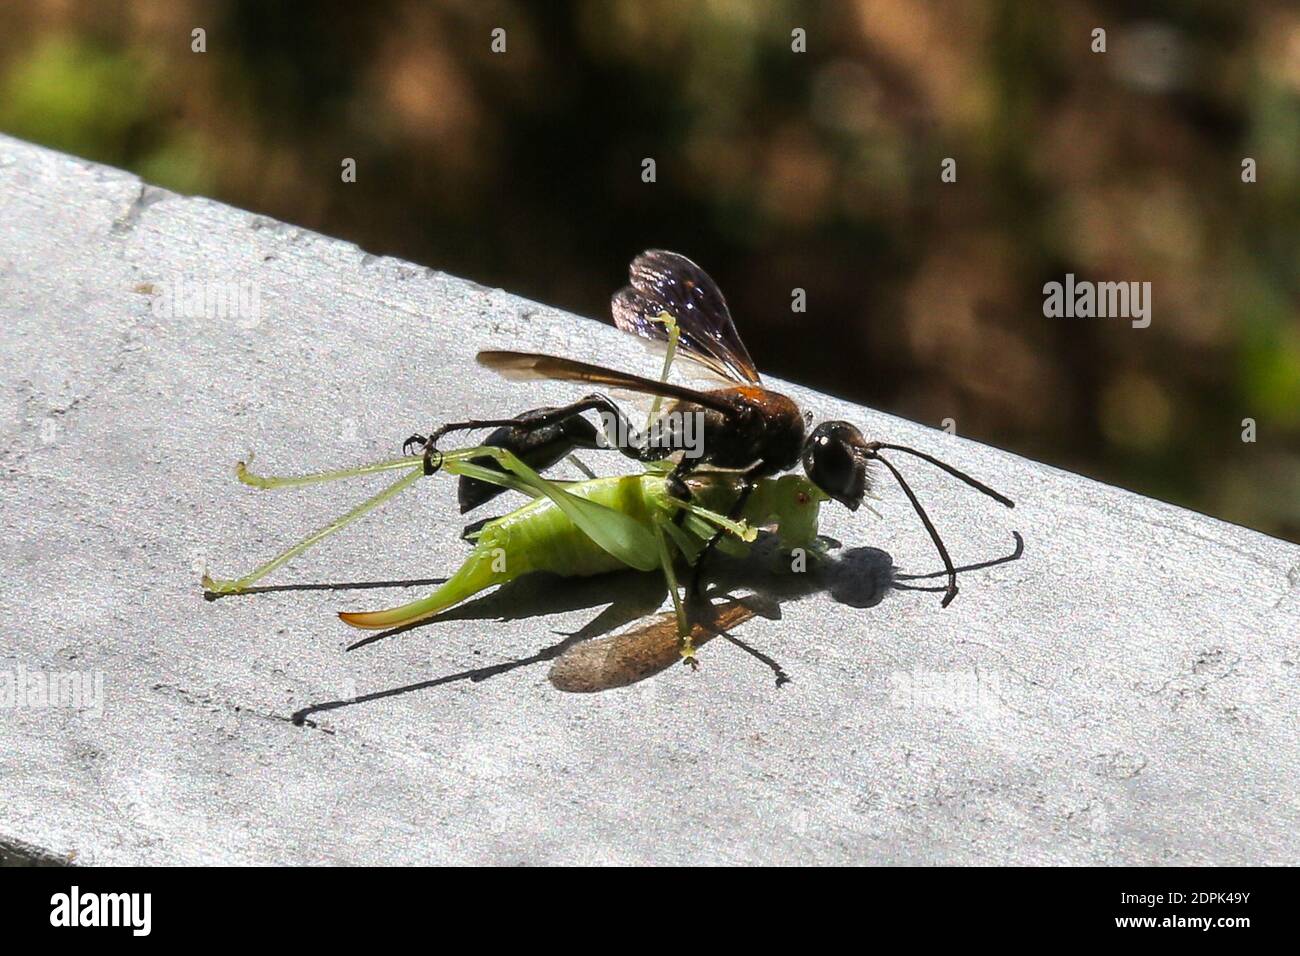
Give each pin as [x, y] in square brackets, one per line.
[533, 365]
[665, 282]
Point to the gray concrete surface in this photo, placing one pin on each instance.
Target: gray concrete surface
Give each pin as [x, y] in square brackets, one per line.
[1124, 693]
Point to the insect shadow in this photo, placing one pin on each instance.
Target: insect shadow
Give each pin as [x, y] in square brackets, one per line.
[332, 586]
[858, 578]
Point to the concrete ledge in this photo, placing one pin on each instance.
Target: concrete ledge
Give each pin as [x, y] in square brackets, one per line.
[1126, 692]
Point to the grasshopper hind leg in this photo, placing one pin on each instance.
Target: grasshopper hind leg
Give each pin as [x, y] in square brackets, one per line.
[670, 578]
[238, 585]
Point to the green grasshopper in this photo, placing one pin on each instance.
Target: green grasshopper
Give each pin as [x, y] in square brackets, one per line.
[646, 521]
[572, 529]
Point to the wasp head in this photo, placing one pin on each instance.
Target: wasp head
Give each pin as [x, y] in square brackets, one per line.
[835, 459]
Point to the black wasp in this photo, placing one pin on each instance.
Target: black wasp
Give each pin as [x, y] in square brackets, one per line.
[745, 426]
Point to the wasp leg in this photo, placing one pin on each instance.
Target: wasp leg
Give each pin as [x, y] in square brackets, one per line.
[539, 447]
[578, 463]
[471, 531]
[678, 488]
[571, 428]
[738, 506]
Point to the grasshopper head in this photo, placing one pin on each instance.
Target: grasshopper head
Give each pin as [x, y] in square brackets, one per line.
[792, 503]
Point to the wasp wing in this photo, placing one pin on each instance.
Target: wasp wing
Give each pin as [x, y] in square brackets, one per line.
[666, 282]
[532, 366]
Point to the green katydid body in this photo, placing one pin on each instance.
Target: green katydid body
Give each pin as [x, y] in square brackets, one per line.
[573, 529]
[540, 536]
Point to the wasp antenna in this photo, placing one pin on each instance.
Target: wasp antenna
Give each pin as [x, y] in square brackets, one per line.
[974, 483]
[951, 592]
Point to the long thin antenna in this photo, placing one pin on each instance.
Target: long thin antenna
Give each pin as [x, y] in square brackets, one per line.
[977, 485]
[951, 592]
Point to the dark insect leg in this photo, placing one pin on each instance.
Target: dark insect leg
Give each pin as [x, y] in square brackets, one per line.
[474, 527]
[431, 443]
[594, 402]
[737, 507]
[676, 480]
[579, 464]
[678, 488]
[538, 447]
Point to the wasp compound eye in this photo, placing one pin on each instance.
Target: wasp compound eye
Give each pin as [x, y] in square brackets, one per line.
[834, 458]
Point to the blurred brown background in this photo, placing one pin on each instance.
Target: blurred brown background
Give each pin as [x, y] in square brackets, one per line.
[778, 170]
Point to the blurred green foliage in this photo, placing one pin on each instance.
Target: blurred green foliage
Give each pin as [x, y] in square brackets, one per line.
[102, 104]
[776, 170]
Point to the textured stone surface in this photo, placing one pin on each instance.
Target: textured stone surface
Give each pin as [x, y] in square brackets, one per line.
[1124, 693]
